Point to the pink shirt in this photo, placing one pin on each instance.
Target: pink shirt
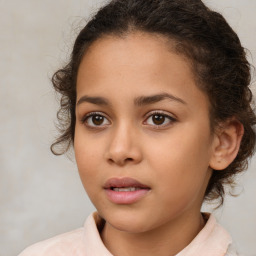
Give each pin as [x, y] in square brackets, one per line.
[212, 240]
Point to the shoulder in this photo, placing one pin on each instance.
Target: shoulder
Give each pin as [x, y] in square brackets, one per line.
[232, 251]
[69, 243]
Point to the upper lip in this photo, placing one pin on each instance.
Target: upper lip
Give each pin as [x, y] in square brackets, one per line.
[123, 182]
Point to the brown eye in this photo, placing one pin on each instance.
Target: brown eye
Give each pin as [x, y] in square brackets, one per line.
[95, 120]
[159, 119]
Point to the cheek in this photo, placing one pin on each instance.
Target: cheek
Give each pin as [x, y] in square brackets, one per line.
[87, 156]
[87, 167]
[182, 159]
[184, 147]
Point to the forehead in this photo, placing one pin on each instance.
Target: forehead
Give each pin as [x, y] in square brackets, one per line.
[135, 50]
[133, 41]
[138, 51]
[135, 63]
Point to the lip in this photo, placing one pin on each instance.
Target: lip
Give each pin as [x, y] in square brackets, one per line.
[125, 197]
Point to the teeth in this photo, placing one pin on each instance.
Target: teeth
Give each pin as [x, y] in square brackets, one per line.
[126, 189]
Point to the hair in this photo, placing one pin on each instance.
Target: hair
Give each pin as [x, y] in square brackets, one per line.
[201, 35]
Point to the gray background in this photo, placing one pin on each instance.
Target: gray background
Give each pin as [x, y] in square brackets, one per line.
[41, 194]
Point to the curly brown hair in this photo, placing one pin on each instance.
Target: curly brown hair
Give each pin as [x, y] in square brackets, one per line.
[201, 35]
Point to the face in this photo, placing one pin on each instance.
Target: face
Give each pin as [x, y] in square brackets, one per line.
[142, 136]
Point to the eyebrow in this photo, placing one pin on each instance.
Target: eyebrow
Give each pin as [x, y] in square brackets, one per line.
[146, 100]
[93, 100]
[139, 101]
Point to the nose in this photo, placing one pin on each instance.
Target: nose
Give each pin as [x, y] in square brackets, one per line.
[123, 146]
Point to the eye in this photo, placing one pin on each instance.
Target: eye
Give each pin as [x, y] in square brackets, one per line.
[158, 119]
[95, 119]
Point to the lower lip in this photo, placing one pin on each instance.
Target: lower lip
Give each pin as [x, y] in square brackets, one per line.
[125, 197]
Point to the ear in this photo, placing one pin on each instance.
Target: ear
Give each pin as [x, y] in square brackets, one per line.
[226, 144]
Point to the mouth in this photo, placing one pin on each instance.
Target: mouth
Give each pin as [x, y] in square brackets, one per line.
[125, 190]
[129, 189]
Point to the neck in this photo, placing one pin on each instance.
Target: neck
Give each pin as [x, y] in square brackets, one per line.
[166, 240]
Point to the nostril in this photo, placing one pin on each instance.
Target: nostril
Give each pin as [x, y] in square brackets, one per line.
[120, 161]
[111, 160]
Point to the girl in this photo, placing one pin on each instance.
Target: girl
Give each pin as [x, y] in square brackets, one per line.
[155, 102]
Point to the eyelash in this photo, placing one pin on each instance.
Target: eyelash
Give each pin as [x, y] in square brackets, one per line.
[84, 120]
[91, 114]
[162, 114]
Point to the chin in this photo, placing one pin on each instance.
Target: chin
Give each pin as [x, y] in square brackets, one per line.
[128, 222]
[129, 227]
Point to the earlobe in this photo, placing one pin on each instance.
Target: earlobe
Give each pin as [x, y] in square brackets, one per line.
[226, 144]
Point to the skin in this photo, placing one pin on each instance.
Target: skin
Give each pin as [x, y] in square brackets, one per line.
[173, 159]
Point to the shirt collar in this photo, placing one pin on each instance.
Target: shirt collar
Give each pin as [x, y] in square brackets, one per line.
[92, 237]
[211, 240]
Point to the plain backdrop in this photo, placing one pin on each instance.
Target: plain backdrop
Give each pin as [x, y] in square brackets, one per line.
[41, 194]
